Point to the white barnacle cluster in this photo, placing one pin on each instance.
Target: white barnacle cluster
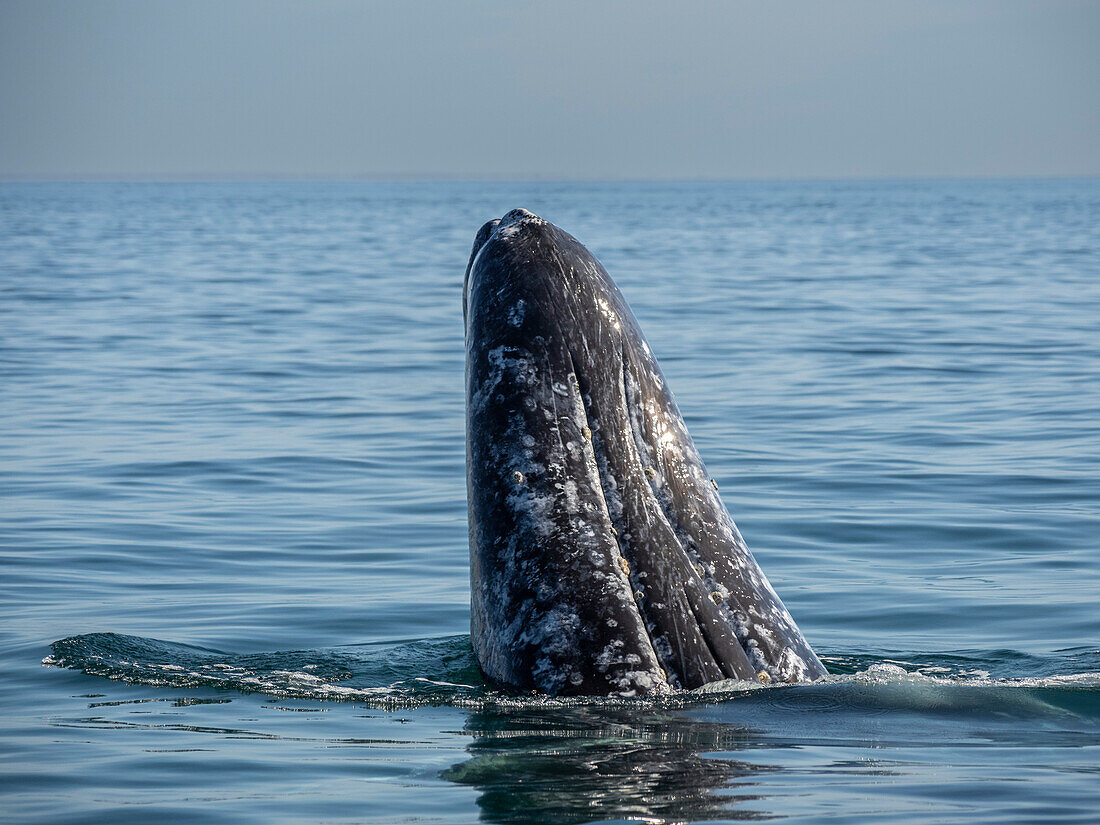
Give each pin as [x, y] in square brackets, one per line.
[570, 499]
[517, 312]
[506, 364]
[792, 667]
[554, 634]
[629, 682]
[534, 507]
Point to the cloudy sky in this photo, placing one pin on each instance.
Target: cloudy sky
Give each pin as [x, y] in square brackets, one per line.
[603, 90]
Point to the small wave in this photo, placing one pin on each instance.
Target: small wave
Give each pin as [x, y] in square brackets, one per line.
[395, 674]
[444, 671]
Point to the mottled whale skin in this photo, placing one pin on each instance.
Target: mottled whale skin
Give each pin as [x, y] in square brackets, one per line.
[602, 561]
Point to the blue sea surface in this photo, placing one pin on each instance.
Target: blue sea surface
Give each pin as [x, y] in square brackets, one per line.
[233, 551]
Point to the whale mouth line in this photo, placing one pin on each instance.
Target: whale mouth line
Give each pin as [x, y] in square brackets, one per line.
[620, 547]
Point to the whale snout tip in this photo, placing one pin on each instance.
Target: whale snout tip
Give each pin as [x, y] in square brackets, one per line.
[517, 215]
[517, 220]
[506, 226]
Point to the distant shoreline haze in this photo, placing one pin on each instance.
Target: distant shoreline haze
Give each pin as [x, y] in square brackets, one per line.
[442, 179]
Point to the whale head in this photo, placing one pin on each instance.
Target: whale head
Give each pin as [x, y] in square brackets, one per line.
[602, 558]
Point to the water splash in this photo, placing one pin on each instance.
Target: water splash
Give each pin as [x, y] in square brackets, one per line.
[443, 671]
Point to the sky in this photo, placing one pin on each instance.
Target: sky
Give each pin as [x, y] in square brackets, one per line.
[554, 90]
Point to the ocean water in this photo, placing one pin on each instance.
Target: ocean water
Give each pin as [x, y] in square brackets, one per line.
[233, 549]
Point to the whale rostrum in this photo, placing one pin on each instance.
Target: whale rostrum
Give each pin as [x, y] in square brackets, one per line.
[602, 560]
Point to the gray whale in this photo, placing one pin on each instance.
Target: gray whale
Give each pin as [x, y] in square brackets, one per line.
[602, 560]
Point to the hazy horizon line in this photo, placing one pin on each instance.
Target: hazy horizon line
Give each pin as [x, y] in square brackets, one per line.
[419, 178]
